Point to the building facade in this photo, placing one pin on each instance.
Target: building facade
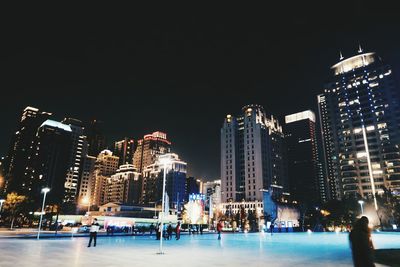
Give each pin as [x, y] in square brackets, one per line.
[51, 162]
[193, 186]
[124, 186]
[359, 113]
[87, 180]
[18, 166]
[306, 177]
[125, 150]
[78, 151]
[175, 181]
[95, 137]
[149, 148]
[106, 165]
[252, 155]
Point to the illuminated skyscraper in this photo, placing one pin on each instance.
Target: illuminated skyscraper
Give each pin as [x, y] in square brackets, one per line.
[306, 177]
[77, 153]
[106, 165]
[359, 113]
[124, 186]
[95, 137]
[125, 150]
[252, 155]
[149, 148]
[174, 186]
[22, 150]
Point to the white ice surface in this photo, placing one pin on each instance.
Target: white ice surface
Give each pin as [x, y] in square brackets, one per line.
[244, 250]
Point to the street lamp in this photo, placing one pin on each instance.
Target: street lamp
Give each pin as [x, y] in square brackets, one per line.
[165, 162]
[361, 202]
[86, 200]
[45, 191]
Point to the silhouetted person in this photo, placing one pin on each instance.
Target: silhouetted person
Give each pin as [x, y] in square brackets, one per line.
[178, 231]
[361, 244]
[158, 231]
[169, 231]
[201, 229]
[94, 228]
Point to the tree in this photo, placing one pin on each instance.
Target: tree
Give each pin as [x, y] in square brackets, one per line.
[14, 204]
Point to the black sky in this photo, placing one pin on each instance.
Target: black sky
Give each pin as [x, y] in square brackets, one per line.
[141, 70]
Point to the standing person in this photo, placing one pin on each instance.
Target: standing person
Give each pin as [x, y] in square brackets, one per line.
[271, 228]
[201, 229]
[158, 232]
[219, 229]
[169, 231]
[178, 231]
[361, 244]
[94, 228]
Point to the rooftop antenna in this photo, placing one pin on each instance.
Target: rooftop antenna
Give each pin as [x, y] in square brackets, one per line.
[341, 56]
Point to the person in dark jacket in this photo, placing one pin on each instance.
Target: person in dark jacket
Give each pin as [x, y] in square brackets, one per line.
[361, 244]
[169, 231]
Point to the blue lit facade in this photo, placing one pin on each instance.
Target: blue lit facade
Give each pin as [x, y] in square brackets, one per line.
[360, 117]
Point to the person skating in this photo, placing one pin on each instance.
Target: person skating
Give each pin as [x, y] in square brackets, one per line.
[169, 231]
[271, 227]
[178, 231]
[219, 229]
[361, 244]
[94, 228]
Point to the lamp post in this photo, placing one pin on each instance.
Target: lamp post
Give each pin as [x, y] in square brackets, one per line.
[45, 191]
[361, 202]
[165, 162]
[1, 204]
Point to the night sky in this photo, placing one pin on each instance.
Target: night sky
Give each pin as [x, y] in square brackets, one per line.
[140, 70]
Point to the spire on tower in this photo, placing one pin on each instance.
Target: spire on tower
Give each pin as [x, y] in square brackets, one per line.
[341, 56]
[360, 50]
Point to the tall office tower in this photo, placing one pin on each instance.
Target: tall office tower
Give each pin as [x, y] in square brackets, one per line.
[125, 150]
[106, 165]
[78, 151]
[124, 186]
[51, 162]
[193, 186]
[86, 181]
[212, 189]
[149, 148]
[252, 155]
[2, 175]
[174, 186]
[22, 149]
[95, 137]
[306, 177]
[359, 113]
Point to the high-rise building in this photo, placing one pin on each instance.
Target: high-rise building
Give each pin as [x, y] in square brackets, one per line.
[125, 150]
[106, 165]
[306, 177]
[359, 112]
[87, 180]
[124, 186]
[95, 137]
[175, 181]
[77, 153]
[252, 155]
[51, 162]
[22, 149]
[149, 148]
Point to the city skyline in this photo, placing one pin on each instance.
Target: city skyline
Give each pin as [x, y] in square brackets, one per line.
[181, 77]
